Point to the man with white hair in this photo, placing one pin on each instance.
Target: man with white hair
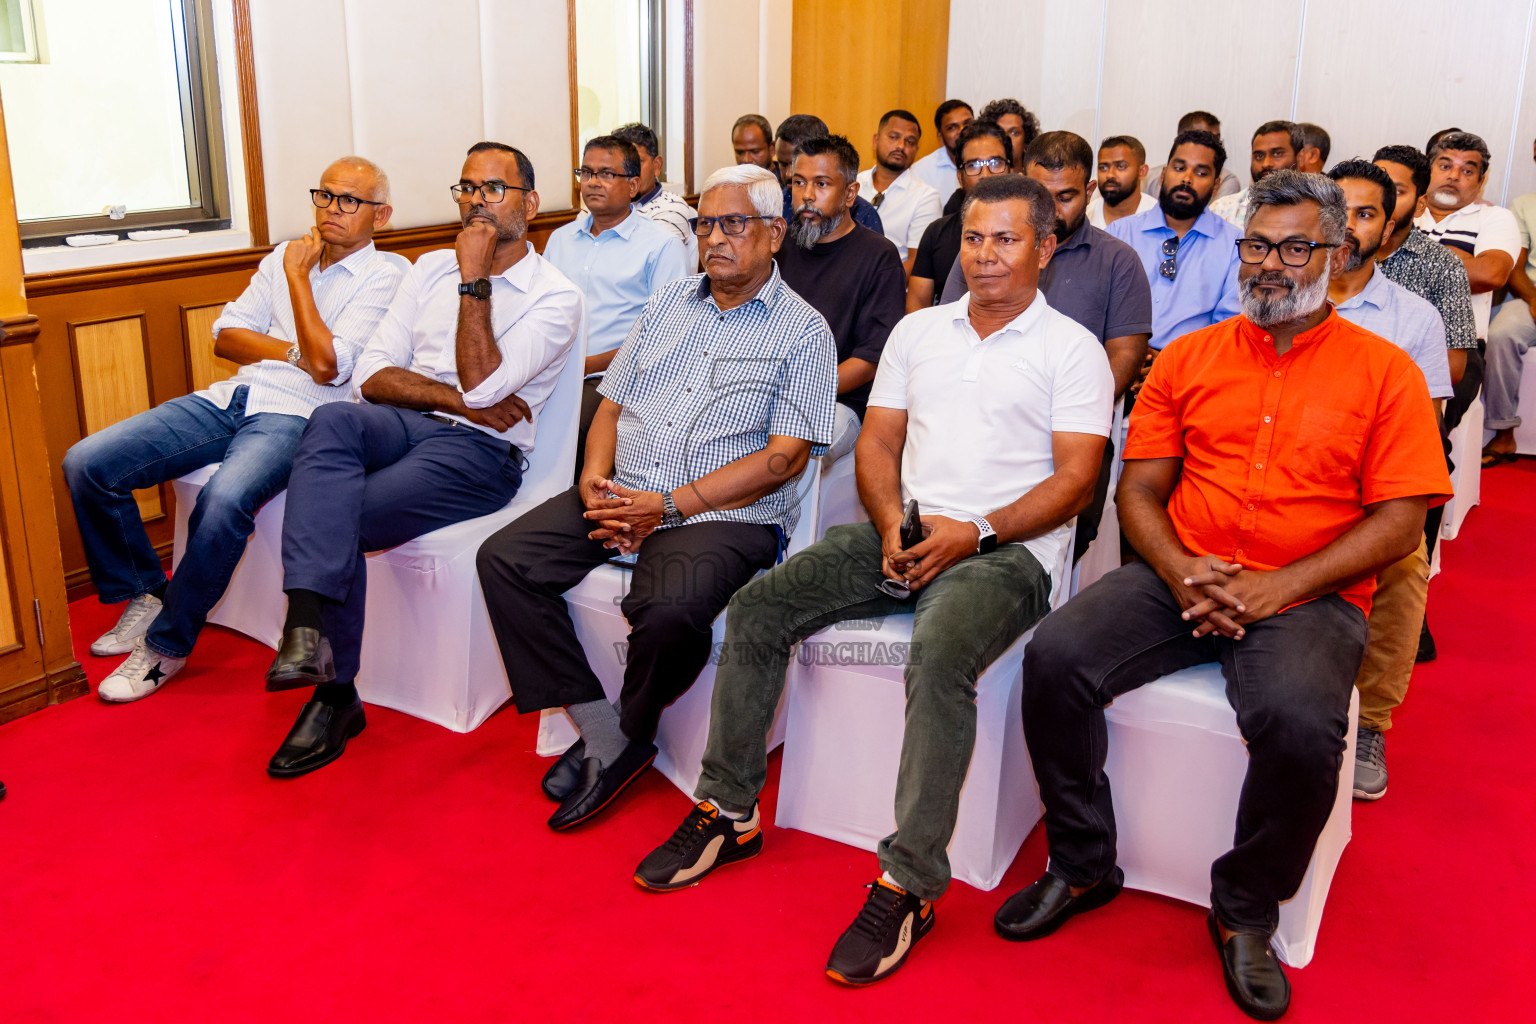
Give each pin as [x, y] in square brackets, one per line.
[1277, 461]
[724, 389]
[298, 329]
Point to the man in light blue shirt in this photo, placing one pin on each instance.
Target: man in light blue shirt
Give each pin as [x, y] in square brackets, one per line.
[615, 256]
[1189, 253]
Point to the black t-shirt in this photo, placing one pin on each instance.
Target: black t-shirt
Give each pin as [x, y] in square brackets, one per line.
[937, 252]
[859, 285]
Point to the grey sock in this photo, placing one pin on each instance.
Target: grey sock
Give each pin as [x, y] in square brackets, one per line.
[598, 723]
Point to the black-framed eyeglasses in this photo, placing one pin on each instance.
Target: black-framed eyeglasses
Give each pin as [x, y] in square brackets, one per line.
[995, 164]
[603, 174]
[1293, 251]
[490, 192]
[345, 203]
[1169, 268]
[730, 224]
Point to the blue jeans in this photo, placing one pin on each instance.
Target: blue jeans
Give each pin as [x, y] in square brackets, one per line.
[369, 477]
[169, 441]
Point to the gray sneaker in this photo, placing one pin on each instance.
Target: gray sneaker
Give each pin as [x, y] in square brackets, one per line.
[137, 617]
[1370, 764]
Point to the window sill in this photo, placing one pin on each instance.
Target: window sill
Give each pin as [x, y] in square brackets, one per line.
[64, 257]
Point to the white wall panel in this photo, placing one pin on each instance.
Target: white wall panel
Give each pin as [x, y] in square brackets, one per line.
[303, 95]
[524, 48]
[1513, 167]
[725, 68]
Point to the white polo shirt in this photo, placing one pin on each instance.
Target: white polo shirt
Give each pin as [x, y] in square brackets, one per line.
[1095, 212]
[980, 413]
[909, 206]
[1475, 229]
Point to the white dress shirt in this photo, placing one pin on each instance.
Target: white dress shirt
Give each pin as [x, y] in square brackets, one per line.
[938, 170]
[1475, 229]
[1096, 208]
[909, 206]
[536, 316]
[980, 413]
[351, 295]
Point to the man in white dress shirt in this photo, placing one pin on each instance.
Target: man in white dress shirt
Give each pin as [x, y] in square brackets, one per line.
[298, 328]
[938, 168]
[1277, 146]
[1121, 171]
[907, 204]
[452, 382]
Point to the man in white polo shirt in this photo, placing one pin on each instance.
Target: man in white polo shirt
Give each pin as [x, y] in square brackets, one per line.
[907, 203]
[991, 413]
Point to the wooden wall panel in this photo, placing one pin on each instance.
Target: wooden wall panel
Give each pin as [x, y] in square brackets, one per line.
[853, 61]
[204, 368]
[112, 381]
[9, 634]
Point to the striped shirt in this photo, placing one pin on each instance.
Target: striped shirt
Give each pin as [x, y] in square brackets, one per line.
[672, 212]
[352, 297]
[701, 387]
[1422, 266]
[536, 314]
[1475, 229]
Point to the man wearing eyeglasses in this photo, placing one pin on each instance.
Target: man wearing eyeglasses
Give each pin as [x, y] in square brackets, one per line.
[991, 414]
[298, 329]
[907, 204]
[617, 258]
[1276, 462]
[715, 404]
[982, 149]
[1188, 253]
[452, 384]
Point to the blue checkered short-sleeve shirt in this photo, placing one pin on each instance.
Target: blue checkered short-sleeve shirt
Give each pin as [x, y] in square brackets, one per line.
[701, 387]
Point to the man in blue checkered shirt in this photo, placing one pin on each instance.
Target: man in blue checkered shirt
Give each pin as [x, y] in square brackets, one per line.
[724, 389]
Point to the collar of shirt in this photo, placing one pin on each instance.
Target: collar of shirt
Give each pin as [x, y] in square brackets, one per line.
[1262, 340]
[1207, 224]
[1377, 292]
[767, 296]
[354, 263]
[624, 228]
[1022, 324]
[652, 194]
[1076, 238]
[899, 185]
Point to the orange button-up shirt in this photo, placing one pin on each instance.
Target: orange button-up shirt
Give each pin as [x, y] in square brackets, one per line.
[1283, 452]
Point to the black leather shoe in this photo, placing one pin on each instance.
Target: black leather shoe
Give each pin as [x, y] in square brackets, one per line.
[1426, 651]
[565, 773]
[2, 791]
[1254, 978]
[596, 787]
[317, 738]
[1035, 912]
[303, 659]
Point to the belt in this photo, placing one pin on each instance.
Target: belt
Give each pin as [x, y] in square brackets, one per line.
[448, 420]
[516, 453]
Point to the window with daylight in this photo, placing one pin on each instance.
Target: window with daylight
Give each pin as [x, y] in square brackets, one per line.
[620, 52]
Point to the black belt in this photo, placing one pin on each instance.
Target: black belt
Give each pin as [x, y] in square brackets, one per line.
[516, 452]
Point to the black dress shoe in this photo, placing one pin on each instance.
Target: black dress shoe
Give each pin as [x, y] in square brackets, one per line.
[596, 786]
[1035, 912]
[317, 738]
[303, 659]
[2, 791]
[1254, 978]
[1426, 651]
[565, 773]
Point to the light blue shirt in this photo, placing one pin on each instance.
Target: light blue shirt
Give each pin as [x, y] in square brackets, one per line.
[617, 271]
[1204, 288]
[1407, 321]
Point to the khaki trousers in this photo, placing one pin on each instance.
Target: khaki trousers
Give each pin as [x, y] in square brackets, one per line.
[1397, 616]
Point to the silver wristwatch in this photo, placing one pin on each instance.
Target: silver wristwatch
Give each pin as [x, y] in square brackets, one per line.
[670, 516]
[294, 355]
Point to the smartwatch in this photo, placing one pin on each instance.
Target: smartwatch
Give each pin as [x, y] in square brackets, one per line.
[987, 542]
[479, 288]
[670, 516]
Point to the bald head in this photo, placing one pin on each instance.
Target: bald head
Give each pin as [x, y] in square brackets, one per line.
[379, 189]
[354, 182]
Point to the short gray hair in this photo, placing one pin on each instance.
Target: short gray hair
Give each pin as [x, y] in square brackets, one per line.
[762, 185]
[381, 180]
[1290, 188]
[1003, 187]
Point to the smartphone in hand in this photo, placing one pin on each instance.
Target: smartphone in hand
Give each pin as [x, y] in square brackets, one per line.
[911, 527]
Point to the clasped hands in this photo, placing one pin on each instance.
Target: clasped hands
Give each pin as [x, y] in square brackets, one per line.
[945, 542]
[623, 517]
[1225, 597]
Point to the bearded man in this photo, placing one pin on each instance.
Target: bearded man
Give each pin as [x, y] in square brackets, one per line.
[851, 275]
[906, 202]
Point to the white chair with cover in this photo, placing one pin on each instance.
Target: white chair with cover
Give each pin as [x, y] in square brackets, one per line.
[1466, 453]
[1525, 433]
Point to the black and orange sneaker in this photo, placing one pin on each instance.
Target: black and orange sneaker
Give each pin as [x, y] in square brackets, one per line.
[704, 841]
[878, 941]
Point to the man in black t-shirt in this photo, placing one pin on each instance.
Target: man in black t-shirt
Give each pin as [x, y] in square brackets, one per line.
[981, 151]
[852, 276]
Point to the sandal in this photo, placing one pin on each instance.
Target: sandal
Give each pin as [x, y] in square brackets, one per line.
[1491, 459]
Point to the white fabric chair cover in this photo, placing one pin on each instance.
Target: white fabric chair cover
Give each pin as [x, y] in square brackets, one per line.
[1176, 764]
[604, 632]
[428, 649]
[843, 748]
[838, 502]
[1103, 554]
[1467, 454]
[1525, 433]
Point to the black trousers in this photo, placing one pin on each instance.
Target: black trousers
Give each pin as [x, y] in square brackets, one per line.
[1289, 680]
[590, 400]
[683, 579]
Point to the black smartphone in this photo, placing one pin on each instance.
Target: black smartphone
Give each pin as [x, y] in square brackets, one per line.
[911, 527]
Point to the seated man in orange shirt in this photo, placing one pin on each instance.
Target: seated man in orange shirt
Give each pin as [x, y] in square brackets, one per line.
[1276, 462]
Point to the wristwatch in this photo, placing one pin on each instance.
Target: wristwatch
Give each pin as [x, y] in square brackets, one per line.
[987, 542]
[294, 355]
[670, 516]
[479, 288]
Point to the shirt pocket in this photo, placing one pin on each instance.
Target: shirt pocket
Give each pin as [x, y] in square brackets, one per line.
[1330, 443]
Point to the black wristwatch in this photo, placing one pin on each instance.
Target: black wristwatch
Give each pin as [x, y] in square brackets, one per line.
[479, 288]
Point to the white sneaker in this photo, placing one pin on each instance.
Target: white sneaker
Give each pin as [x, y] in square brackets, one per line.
[132, 624]
[141, 675]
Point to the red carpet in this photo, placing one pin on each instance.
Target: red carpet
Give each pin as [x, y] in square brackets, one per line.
[153, 872]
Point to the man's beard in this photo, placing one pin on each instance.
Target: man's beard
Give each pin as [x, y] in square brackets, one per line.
[504, 232]
[1065, 231]
[894, 161]
[1299, 301]
[1359, 256]
[1114, 193]
[807, 231]
[1182, 209]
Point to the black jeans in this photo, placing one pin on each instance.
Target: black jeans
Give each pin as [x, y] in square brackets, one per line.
[1289, 680]
[682, 581]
